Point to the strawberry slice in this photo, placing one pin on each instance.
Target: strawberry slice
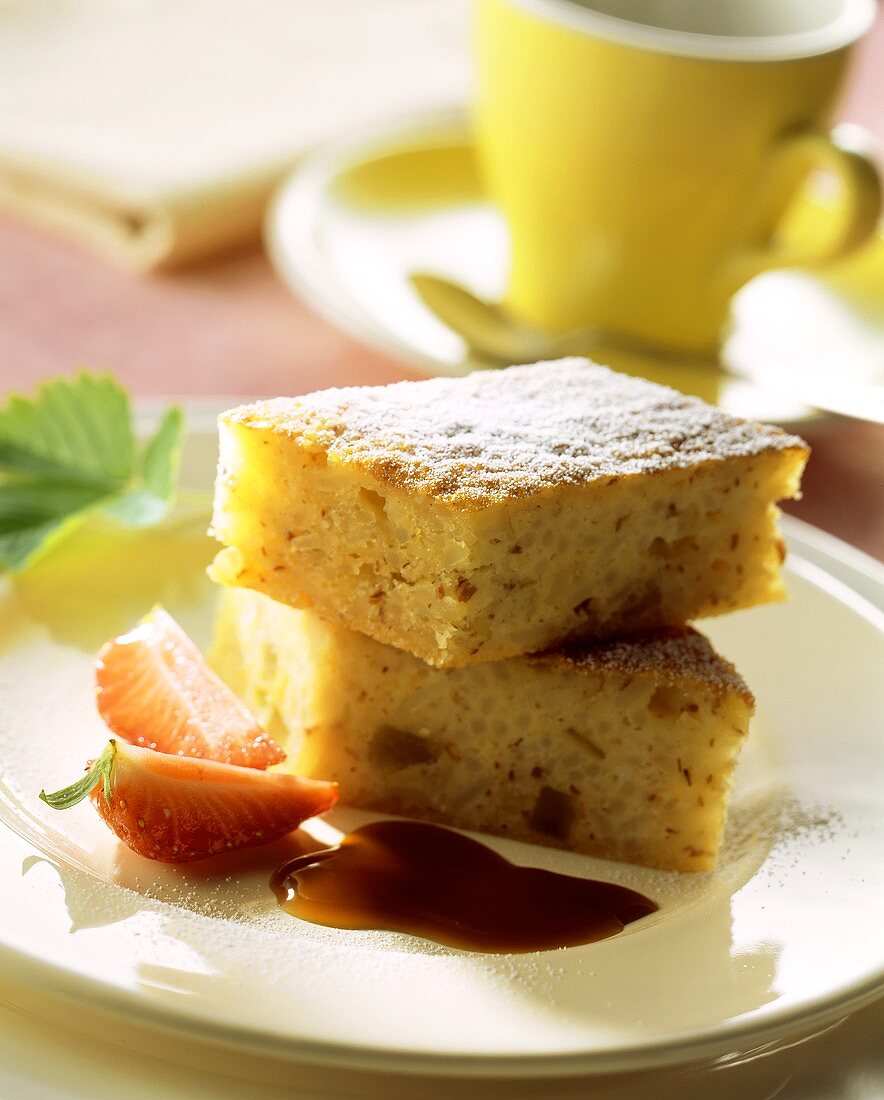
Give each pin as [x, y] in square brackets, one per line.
[177, 809]
[154, 689]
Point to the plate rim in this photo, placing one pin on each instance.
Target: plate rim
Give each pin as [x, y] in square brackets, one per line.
[695, 1048]
[698, 1046]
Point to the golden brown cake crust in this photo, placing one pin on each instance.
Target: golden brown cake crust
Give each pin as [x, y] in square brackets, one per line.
[676, 654]
[500, 435]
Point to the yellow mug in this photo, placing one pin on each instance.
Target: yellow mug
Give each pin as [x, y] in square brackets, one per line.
[643, 152]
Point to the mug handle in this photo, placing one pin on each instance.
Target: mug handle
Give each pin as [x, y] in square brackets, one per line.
[845, 153]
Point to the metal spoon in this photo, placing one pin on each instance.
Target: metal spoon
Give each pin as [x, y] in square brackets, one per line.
[495, 335]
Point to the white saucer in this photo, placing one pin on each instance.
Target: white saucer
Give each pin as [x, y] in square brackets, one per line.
[361, 214]
[783, 939]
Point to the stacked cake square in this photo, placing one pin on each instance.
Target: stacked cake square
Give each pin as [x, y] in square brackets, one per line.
[466, 600]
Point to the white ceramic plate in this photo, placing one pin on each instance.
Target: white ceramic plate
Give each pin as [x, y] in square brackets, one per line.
[362, 213]
[784, 937]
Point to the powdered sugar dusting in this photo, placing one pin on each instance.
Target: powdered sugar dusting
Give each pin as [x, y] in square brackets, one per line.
[510, 433]
[680, 653]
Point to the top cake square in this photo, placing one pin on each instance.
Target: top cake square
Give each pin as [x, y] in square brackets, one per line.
[478, 518]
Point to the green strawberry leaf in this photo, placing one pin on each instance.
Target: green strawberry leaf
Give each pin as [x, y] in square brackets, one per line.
[35, 514]
[162, 456]
[18, 549]
[76, 429]
[148, 500]
[70, 450]
[100, 772]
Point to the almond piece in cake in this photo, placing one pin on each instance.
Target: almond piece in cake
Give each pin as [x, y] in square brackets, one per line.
[479, 518]
[620, 749]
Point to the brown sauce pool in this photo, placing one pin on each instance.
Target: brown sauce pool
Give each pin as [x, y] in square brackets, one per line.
[404, 876]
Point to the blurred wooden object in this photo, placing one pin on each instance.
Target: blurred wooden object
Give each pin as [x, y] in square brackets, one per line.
[156, 133]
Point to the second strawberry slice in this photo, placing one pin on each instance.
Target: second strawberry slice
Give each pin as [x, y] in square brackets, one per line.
[154, 689]
[177, 809]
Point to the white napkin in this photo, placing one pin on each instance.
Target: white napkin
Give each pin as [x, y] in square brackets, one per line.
[155, 130]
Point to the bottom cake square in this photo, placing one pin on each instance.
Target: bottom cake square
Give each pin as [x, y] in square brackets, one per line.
[623, 749]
